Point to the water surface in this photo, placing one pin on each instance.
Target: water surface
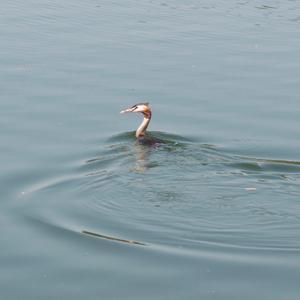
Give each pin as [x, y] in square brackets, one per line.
[86, 212]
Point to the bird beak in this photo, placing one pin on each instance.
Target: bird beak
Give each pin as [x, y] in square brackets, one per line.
[126, 110]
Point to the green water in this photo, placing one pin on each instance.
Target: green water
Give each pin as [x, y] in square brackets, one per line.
[87, 213]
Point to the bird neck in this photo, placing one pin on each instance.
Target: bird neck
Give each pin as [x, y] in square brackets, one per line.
[142, 129]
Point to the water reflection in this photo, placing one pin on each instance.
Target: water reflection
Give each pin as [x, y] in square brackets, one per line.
[141, 153]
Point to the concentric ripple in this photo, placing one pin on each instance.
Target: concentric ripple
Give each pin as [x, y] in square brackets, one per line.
[183, 194]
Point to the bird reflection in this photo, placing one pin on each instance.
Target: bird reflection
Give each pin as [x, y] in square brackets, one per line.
[142, 154]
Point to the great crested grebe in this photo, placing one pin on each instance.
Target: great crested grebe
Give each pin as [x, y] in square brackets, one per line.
[140, 133]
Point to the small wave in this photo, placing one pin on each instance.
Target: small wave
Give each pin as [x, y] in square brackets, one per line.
[166, 137]
[266, 165]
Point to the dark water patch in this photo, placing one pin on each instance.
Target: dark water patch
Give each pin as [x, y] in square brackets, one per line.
[296, 19]
[246, 166]
[266, 7]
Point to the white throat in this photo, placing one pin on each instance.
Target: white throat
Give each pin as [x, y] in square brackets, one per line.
[142, 128]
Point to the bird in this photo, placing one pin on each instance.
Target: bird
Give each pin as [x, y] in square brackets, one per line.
[140, 133]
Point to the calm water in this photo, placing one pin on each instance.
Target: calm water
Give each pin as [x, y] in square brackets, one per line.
[86, 213]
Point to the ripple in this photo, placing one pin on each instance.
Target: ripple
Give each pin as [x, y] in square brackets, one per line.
[185, 193]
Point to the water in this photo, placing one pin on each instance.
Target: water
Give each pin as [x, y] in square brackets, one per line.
[88, 213]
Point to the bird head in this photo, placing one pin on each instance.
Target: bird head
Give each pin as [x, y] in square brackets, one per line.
[143, 108]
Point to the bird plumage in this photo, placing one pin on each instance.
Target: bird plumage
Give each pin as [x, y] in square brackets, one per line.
[145, 109]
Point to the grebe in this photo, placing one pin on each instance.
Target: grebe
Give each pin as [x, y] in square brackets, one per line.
[140, 133]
